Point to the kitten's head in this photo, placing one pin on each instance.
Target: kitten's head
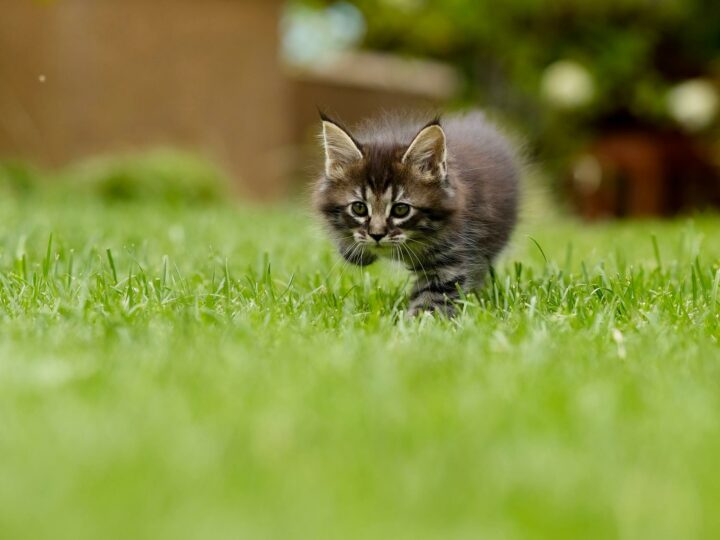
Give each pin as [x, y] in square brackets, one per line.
[378, 194]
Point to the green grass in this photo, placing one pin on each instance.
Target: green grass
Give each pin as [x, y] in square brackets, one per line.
[212, 372]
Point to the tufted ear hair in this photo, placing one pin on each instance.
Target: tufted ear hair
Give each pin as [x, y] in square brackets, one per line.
[428, 151]
[341, 148]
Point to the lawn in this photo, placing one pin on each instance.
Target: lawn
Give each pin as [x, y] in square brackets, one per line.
[211, 371]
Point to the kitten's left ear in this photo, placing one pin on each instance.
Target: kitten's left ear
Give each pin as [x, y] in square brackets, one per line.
[429, 150]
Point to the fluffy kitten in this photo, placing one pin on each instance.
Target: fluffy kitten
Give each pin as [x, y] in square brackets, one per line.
[441, 198]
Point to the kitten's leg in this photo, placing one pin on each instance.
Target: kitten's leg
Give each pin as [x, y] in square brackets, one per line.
[438, 291]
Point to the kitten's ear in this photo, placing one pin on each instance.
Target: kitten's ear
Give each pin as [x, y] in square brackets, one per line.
[429, 150]
[340, 148]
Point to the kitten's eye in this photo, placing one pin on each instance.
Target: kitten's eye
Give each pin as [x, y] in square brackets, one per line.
[359, 209]
[400, 210]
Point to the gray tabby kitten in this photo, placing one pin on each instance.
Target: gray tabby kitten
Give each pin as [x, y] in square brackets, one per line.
[441, 198]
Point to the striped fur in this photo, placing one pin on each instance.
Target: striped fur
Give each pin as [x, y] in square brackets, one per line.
[456, 179]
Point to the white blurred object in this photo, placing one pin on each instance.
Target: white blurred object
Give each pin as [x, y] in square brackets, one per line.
[311, 35]
[619, 340]
[567, 84]
[693, 104]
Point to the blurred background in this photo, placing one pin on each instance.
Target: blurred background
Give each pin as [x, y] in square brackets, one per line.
[616, 102]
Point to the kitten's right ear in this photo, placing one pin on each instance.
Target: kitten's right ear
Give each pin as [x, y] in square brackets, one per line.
[340, 148]
[429, 149]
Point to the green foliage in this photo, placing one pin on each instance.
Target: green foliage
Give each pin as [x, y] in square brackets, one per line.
[634, 50]
[619, 40]
[17, 177]
[214, 371]
[165, 176]
[161, 175]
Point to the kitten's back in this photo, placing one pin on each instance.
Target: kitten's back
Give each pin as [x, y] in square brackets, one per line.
[484, 162]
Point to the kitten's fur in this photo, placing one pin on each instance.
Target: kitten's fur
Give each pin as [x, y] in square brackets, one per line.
[460, 179]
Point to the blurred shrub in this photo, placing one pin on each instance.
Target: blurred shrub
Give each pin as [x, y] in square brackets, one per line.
[161, 175]
[168, 175]
[626, 57]
[18, 178]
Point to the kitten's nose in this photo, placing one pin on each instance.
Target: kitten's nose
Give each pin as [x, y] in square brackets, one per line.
[377, 237]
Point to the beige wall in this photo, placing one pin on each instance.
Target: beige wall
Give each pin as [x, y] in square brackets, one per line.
[126, 74]
[120, 75]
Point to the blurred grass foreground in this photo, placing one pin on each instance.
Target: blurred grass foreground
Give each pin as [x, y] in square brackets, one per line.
[178, 363]
[210, 370]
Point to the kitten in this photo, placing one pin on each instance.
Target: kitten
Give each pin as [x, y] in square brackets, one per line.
[441, 198]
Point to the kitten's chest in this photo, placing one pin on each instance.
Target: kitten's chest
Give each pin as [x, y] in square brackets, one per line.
[399, 254]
